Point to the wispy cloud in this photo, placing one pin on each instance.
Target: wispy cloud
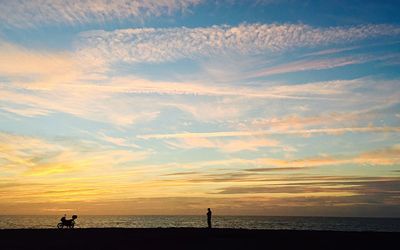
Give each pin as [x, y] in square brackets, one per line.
[32, 13]
[318, 64]
[305, 65]
[118, 141]
[169, 44]
[379, 157]
[135, 85]
[387, 156]
[34, 156]
[20, 65]
[331, 51]
[43, 77]
[296, 121]
[271, 132]
[124, 184]
[250, 144]
[92, 108]
[347, 188]
[31, 81]
[69, 81]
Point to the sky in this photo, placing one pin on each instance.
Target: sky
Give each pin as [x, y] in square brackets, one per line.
[268, 107]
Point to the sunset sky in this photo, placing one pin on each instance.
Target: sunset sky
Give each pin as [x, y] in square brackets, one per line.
[268, 107]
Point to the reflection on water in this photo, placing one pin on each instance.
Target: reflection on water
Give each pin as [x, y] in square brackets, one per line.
[248, 222]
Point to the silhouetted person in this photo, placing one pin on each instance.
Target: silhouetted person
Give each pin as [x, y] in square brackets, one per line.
[209, 213]
[63, 219]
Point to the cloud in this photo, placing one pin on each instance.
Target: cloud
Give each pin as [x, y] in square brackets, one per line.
[376, 187]
[26, 111]
[170, 44]
[22, 65]
[262, 170]
[237, 169]
[33, 13]
[17, 151]
[33, 156]
[85, 184]
[331, 51]
[77, 162]
[318, 64]
[34, 89]
[84, 90]
[118, 141]
[271, 132]
[135, 85]
[96, 106]
[380, 157]
[31, 81]
[38, 78]
[296, 121]
[387, 156]
[230, 146]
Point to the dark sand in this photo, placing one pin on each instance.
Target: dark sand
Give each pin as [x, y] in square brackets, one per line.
[193, 238]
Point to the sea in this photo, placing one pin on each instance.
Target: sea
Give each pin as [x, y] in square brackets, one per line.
[245, 222]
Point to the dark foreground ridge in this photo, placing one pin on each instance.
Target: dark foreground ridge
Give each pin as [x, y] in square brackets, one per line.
[191, 238]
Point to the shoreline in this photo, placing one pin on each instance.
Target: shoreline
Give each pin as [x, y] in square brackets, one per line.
[192, 238]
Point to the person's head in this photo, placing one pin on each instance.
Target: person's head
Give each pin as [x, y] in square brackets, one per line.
[65, 215]
[208, 209]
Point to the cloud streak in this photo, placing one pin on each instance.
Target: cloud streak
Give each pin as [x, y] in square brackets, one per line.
[380, 157]
[367, 187]
[319, 64]
[43, 77]
[32, 13]
[33, 156]
[20, 64]
[170, 44]
[232, 146]
[272, 132]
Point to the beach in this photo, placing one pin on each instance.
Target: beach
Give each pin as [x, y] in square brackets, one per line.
[192, 238]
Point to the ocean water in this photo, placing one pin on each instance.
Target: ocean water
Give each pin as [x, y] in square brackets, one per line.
[247, 222]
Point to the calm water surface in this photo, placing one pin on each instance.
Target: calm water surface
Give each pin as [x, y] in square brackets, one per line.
[248, 222]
